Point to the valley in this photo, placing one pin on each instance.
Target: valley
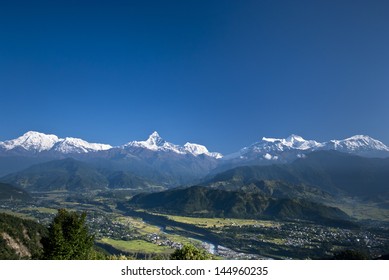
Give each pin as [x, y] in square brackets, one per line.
[147, 235]
[194, 130]
[276, 199]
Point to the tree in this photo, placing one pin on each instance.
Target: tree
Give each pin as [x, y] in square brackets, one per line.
[189, 252]
[68, 238]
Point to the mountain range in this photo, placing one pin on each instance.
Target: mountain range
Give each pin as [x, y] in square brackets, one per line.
[290, 177]
[294, 146]
[36, 142]
[33, 143]
[164, 163]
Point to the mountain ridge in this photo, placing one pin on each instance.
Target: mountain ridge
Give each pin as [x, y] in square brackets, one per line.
[168, 163]
[331, 171]
[37, 142]
[274, 148]
[209, 202]
[75, 176]
[267, 148]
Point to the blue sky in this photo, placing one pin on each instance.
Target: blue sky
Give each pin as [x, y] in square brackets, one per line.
[219, 73]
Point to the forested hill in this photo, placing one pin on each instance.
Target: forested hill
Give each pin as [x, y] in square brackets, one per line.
[208, 202]
[20, 238]
[9, 192]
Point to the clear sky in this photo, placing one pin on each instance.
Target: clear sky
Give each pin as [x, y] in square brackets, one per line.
[219, 73]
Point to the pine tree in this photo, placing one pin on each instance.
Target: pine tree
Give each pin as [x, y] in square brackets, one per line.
[68, 238]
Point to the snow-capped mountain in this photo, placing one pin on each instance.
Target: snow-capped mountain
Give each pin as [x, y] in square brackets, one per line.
[75, 145]
[31, 141]
[296, 146]
[276, 149]
[357, 143]
[158, 160]
[37, 142]
[279, 145]
[154, 159]
[156, 143]
[196, 149]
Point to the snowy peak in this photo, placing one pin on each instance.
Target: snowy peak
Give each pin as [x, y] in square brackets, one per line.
[156, 143]
[75, 145]
[291, 141]
[357, 143]
[267, 145]
[196, 149]
[291, 147]
[287, 141]
[297, 142]
[294, 139]
[36, 142]
[155, 140]
[31, 141]
[272, 148]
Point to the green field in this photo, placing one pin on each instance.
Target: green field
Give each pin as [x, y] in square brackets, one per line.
[138, 224]
[16, 214]
[220, 222]
[137, 246]
[41, 210]
[144, 228]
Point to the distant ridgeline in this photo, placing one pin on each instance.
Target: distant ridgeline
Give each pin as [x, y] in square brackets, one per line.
[330, 172]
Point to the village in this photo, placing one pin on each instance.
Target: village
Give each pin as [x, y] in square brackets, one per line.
[278, 240]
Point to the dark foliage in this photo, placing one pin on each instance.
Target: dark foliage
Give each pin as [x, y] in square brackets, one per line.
[351, 255]
[20, 238]
[207, 202]
[68, 238]
[189, 252]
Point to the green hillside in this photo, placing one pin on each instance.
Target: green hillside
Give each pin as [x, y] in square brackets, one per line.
[208, 202]
[20, 238]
